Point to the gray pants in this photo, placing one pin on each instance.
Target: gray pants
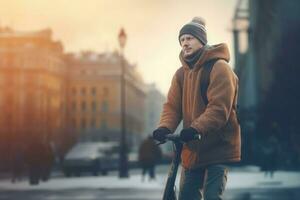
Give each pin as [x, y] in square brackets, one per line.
[208, 182]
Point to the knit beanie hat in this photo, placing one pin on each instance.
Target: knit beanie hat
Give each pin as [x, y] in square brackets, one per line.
[195, 28]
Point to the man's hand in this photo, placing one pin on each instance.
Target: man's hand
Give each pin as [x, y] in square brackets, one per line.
[160, 134]
[188, 134]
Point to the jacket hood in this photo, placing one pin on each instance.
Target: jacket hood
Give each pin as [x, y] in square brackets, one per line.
[210, 52]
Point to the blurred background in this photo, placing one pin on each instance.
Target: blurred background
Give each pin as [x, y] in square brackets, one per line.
[82, 84]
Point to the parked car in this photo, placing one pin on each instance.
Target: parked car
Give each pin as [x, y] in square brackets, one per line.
[133, 160]
[91, 157]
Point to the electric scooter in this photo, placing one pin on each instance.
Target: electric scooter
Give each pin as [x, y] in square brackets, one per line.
[170, 190]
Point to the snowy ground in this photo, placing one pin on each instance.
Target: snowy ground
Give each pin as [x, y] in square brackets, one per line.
[237, 179]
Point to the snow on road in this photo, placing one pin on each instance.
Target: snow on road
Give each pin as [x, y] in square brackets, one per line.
[236, 179]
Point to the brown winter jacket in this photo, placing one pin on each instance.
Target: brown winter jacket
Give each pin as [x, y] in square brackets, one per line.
[217, 122]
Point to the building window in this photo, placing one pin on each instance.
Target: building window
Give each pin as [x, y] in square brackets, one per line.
[62, 106]
[104, 106]
[94, 106]
[103, 124]
[73, 123]
[83, 123]
[93, 123]
[83, 106]
[74, 91]
[83, 91]
[105, 91]
[74, 106]
[93, 91]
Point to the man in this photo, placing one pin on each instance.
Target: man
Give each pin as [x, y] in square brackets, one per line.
[204, 161]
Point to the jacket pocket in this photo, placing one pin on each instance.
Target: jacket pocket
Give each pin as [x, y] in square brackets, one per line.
[208, 141]
[227, 133]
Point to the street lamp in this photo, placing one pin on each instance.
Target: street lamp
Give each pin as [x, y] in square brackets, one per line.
[123, 162]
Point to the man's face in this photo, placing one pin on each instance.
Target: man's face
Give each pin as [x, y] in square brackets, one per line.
[189, 44]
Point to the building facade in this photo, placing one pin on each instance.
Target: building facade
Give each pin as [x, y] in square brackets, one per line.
[32, 88]
[266, 25]
[94, 103]
[48, 95]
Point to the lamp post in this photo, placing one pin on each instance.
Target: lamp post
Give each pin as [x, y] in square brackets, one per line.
[123, 162]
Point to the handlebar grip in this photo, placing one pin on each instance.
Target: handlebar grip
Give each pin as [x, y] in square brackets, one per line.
[197, 137]
[173, 137]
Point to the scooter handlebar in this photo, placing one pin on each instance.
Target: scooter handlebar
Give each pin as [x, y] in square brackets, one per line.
[176, 138]
[172, 137]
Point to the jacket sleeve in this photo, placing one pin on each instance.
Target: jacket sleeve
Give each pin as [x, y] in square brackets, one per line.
[172, 108]
[220, 93]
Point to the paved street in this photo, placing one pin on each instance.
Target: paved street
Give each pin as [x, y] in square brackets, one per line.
[242, 185]
[142, 194]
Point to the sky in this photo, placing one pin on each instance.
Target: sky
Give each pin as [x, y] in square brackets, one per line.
[152, 27]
